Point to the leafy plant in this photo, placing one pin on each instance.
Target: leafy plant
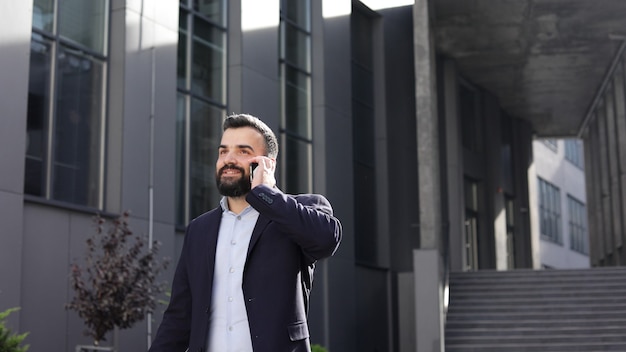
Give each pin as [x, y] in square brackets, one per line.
[117, 284]
[9, 341]
[318, 348]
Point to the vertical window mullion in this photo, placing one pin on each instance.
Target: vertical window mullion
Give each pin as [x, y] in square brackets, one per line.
[51, 117]
[188, 63]
[187, 161]
[102, 139]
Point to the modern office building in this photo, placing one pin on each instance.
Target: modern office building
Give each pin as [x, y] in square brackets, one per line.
[416, 120]
[559, 203]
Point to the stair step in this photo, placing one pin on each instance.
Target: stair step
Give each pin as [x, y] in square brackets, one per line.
[543, 339]
[540, 306]
[537, 347]
[547, 291]
[516, 331]
[536, 323]
[616, 270]
[481, 301]
[537, 310]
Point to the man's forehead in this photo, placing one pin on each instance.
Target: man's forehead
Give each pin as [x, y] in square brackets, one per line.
[243, 137]
[242, 134]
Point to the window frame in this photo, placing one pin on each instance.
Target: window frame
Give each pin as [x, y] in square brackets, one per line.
[550, 212]
[190, 98]
[50, 116]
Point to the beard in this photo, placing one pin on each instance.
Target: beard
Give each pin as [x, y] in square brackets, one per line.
[231, 187]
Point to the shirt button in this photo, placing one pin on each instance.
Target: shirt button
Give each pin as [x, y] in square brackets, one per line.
[233, 242]
[239, 217]
[230, 299]
[232, 270]
[230, 328]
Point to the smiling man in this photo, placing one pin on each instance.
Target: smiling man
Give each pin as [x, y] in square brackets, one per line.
[246, 268]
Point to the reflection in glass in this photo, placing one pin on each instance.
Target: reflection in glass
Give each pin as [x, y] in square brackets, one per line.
[181, 159]
[298, 168]
[43, 15]
[36, 130]
[212, 9]
[181, 61]
[208, 61]
[205, 135]
[84, 22]
[296, 102]
[77, 129]
[296, 11]
[296, 47]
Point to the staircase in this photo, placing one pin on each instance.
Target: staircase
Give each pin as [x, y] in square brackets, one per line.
[537, 310]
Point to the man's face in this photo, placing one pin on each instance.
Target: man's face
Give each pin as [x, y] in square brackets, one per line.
[238, 145]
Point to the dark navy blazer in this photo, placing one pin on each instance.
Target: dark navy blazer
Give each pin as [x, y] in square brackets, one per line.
[291, 234]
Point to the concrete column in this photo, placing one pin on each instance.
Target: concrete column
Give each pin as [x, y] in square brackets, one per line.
[494, 185]
[335, 327]
[454, 166]
[620, 135]
[592, 197]
[613, 176]
[597, 224]
[426, 265]
[428, 301]
[15, 32]
[259, 85]
[604, 174]
[427, 128]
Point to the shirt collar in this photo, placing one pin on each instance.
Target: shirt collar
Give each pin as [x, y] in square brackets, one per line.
[225, 209]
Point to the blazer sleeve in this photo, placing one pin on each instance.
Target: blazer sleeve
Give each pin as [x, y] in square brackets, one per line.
[307, 218]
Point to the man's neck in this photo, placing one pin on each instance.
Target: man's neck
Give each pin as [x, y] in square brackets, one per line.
[237, 204]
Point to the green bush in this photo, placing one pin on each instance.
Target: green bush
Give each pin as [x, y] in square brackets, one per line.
[318, 348]
[10, 342]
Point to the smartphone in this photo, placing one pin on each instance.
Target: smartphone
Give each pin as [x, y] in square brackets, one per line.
[252, 167]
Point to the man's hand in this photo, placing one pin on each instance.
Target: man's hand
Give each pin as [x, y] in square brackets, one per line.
[264, 173]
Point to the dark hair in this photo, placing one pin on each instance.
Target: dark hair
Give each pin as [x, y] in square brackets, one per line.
[246, 120]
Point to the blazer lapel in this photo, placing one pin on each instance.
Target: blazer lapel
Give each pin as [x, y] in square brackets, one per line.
[212, 231]
[260, 226]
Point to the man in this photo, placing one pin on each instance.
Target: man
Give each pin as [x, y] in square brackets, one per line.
[243, 279]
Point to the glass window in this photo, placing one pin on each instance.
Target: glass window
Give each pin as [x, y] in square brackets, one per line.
[201, 85]
[211, 9]
[297, 103]
[38, 115]
[204, 138]
[550, 212]
[470, 118]
[43, 15]
[577, 225]
[84, 22]
[297, 163]
[364, 142]
[551, 143]
[208, 61]
[296, 46]
[574, 152]
[66, 102]
[295, 70]
[77, 128]
[296, 11]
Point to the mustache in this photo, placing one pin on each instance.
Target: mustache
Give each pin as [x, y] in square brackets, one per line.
[231, 167]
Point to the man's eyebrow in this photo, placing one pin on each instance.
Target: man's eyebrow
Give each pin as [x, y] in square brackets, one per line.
[238, 146]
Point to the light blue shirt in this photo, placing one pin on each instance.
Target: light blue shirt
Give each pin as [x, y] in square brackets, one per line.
[229, 330]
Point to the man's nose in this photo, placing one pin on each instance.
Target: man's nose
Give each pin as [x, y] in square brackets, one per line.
[229, 158]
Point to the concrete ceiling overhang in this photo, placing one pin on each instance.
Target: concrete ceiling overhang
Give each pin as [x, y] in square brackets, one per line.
[544, 59]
